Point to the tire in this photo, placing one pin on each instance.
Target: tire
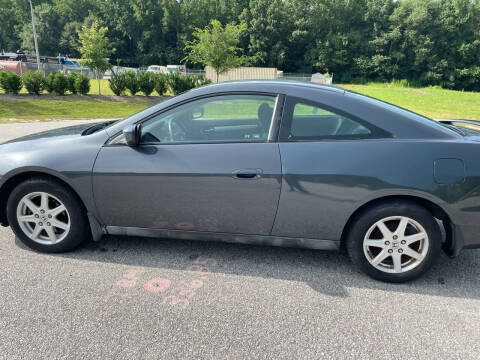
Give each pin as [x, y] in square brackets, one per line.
[47, 228]
[377, 250]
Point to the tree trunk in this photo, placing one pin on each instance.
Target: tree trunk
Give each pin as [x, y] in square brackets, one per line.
[98, 79]
[216, 72]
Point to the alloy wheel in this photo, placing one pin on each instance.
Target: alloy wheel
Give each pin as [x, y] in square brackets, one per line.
[43, 218]
[396, 244]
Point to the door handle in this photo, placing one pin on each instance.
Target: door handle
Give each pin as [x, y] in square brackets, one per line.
[247, 173]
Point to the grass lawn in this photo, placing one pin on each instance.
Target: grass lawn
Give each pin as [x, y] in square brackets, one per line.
[432, 102]
[44, 110]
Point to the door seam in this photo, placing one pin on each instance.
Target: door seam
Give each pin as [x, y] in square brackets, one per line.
[281, 187]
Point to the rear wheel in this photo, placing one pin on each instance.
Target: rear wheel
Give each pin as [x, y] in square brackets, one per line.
[47, 216]
[394, 241]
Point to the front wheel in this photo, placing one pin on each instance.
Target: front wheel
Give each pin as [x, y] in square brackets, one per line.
[47, 216]
[394, 241]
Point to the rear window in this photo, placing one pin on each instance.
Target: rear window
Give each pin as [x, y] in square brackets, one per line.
[305, 120]
[314, 122]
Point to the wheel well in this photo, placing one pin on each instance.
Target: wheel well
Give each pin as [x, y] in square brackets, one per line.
[11, 183]
[433, 208]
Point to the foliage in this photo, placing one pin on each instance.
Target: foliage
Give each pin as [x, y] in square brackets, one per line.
[132, 82]
[202, 80]
[95, 47]
[48, 83]
[33, 82]
[82, 84]
[426, 42]
[56, 83]
[71, 78]
[179, 83]
[59, 83]
[217, 46]
[10, 82]
[400, 83]
[146, 82]
[161, 84]
[47, 23]
[118, 83]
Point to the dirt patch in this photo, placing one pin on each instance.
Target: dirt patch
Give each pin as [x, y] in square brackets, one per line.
[421, 92]
[112, 98]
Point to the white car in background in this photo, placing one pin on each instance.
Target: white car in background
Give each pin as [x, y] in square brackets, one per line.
[157, 69]
[182, 69]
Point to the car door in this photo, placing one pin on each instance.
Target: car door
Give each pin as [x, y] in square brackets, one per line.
[210, 164]
[327, 168]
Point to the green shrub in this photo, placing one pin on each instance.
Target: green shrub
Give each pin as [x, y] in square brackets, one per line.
[202, 80]
[33, 81]
[180, 83]
[2, 76]
[48, 83]
[82, 84]
[132, 82]
[146, 82]
[10, 82]
[71, 78]
[56, 83]
[161, 85]
[118, 84]
[400, 83]
[60, 83]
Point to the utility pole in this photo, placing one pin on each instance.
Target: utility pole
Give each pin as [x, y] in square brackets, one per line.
[39, 66]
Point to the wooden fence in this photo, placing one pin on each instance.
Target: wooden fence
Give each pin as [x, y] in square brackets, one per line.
[242, 73]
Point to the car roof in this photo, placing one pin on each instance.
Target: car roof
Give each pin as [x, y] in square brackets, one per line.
[276, 85]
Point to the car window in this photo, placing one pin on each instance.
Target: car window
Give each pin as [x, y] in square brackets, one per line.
[314, 122]
[227, 118]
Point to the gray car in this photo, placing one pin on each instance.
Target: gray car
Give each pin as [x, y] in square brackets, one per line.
[259, 162]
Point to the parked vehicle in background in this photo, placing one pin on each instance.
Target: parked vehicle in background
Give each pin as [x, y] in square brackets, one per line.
[71, 64]
[182, 69]
[160, 69]
[324, 79]
[13, 66]
[157, 69]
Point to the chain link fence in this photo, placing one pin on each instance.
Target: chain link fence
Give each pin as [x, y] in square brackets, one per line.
[48, 68]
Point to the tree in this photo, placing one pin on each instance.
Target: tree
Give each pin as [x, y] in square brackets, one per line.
[95, 48]
[426, 42]
[217, 46]
[269, 27]
[8, 36]
[48, 25]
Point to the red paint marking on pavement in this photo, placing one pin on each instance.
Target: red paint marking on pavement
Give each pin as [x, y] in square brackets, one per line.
[125, 283]
[157, 285]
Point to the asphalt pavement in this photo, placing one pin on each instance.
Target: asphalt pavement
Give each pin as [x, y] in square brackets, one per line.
[133, 298]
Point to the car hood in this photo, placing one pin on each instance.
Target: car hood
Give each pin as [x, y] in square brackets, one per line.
[69, 131]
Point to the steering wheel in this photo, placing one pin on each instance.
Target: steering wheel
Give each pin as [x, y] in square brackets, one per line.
[176, 132]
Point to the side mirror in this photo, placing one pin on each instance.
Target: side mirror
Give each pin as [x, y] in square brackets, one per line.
[132, 135]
